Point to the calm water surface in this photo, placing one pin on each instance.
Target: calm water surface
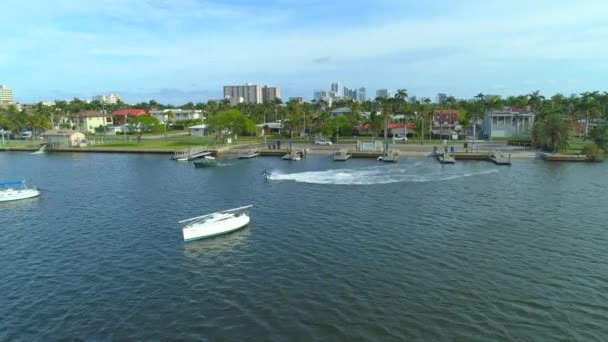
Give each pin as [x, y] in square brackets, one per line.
[335, 251]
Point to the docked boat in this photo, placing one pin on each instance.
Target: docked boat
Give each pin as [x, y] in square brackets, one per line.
[206, 162]
[218, 223]
[342, 155]
[391, 157]
[16, 190]
[293, 155]
[249, 154]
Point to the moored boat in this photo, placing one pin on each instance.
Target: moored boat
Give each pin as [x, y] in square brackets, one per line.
[218, 223]
[16, 190]
[249, 154]
[342, 155]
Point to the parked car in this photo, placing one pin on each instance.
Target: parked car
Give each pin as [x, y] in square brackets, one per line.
[398, 137]
[323, 142]
[26, 135]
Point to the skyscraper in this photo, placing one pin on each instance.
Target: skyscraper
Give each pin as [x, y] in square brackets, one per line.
[361, 96]
[441, 98]
[6, 95]
[337, 88]
[383, 93]
[251, 94]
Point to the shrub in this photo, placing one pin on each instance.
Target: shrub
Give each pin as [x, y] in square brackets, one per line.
[593, 152]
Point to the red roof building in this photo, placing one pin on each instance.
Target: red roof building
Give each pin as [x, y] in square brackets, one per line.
[130, 112]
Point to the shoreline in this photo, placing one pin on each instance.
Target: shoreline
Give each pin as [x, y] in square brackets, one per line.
[420, 151]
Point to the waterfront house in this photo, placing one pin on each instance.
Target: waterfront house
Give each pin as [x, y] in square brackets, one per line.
[508, 122]
[270, 128]
[164, 115]
[198, 130]
[64, 138]
[340, 112]
[89, 120]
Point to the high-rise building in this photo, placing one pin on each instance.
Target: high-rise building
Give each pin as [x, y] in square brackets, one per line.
[107, 99]
[269, 94]
[6, 96]
[251, 94]
[441, 98]
[361, 97]
[383, 93]
[337, 88]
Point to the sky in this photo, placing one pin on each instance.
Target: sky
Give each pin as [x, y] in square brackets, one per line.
[175, 51]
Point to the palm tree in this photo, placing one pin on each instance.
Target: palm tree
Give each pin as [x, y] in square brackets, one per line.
[590, 107]
[535, 102]
[552, 132]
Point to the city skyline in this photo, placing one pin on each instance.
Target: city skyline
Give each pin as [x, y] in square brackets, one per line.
[459, 48]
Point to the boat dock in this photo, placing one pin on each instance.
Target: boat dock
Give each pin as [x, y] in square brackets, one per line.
[191, 153]
[445, 158]
[496, 157]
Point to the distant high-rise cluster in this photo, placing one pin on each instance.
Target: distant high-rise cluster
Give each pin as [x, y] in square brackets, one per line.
[6, 96]
[338, 91]
[107, 99]
[251, 94]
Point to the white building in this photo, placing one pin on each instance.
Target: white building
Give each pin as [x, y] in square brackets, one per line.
[6, 96]
[178, 115]
[198, 130]
[107, 99]
[508, 122]
[337, 88]
[251, 94]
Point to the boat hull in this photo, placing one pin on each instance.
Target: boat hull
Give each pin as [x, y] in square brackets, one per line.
[15, 195]
[200, 231]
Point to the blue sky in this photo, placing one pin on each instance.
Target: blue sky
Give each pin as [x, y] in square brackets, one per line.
[184, 50]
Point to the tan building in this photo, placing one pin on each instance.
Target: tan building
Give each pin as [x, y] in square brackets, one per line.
[89, 120]
[6, 96]
[64, 138]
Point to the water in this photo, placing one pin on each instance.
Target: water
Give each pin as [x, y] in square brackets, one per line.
[335, 251]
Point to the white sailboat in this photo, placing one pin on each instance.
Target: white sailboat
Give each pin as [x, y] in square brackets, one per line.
[16, 190]
[218, 223]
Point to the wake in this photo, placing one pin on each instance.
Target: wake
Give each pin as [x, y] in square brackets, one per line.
[375, 175]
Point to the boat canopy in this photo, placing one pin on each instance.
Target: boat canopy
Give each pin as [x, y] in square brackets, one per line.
[11, 183]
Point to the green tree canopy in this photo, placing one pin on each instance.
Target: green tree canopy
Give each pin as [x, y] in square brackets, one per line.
[231, 122]
[552, 133]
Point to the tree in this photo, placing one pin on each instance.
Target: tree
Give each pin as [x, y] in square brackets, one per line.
[230, 122]
[144, 123]
[552, 133]
[170, 117]
[599, 135]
